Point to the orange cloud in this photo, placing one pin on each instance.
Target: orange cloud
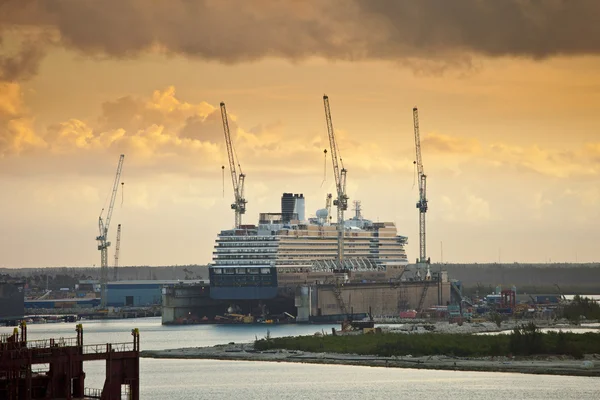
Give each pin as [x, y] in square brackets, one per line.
[550, 162]
[464, 153]
[16, 126]
[450, 144]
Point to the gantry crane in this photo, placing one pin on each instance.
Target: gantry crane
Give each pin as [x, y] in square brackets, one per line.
[102, 238]
[422, 261]
[239, 206]
[117, 248]
[340, 183]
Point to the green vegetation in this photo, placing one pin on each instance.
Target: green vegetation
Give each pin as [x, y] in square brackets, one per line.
[523, 341]
[581, 307]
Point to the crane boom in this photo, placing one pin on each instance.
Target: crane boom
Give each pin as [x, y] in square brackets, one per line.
[422, 203]
[340, 182]
[117, 249]
[239, 206]
[102, 238]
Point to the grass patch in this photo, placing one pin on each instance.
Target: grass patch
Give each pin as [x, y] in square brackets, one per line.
[522, 341]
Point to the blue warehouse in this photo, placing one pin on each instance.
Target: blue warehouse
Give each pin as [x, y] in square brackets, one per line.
[136, 293]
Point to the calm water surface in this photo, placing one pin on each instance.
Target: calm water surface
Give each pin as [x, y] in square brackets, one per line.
[207, 379]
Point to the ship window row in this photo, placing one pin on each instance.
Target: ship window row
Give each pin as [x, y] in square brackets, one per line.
[305, 246]
[293, 270]
[225, 251]
[241, 281]
[334, 250]
[308, 244]
[237, 262]
[246, 238]
[241, 271]
[247, 244]
[333, 236]
[325, 254]
[245, 256]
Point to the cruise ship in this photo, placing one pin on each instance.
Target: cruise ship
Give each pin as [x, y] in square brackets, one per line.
[261, 265]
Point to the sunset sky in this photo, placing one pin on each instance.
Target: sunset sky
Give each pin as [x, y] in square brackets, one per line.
[508, 95]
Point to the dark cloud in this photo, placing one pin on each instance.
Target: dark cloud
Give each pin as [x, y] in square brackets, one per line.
[528, 28]
[23, 65]
[232, 31]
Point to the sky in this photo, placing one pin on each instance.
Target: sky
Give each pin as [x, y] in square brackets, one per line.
[508, 96]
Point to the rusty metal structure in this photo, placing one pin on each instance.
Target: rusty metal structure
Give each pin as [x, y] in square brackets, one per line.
[53, 368]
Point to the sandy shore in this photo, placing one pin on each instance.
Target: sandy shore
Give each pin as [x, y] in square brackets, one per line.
[554, 365]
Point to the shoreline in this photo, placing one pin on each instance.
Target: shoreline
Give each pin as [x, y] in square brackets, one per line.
[549, 365]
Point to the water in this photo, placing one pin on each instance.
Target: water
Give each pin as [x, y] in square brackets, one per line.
[154, 336]
[208, 379]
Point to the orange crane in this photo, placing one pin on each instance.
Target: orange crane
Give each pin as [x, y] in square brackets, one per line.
[239, 205]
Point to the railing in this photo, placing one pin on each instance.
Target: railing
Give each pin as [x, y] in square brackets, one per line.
[45, 343]
[92, 393]
[125, 392]
[6, 336]
[104, 348]
[41, 368]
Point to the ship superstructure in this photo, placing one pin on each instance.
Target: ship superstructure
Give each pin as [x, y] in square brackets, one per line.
[284, 250]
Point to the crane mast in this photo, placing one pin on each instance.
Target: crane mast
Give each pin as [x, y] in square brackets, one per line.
[340, 183]
[422, 261]
[102, 238]
[328, 207]
[239, 205]
[117, 248]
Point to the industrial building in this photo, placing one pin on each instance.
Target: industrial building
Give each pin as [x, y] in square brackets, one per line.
[62, 303]
[142, 293]
[12, 298]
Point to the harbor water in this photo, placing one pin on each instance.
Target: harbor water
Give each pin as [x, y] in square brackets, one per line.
[211, 379]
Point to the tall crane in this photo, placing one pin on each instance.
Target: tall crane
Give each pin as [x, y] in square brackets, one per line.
[102, 238]
[422, 261]
[328, 207]
[340, 183]
[239, 205]
[117, 248]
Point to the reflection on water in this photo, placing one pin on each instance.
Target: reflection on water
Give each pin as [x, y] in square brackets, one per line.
[206, 379]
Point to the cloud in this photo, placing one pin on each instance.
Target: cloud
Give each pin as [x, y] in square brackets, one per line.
[470, 155]
[159, 134]
[449, 144]
[22, 65]
[468, 208]
[492, 28]
[414, 33]
[557, 163]
[477, 209]
[16, 126]
[162, 133]
[162, 108]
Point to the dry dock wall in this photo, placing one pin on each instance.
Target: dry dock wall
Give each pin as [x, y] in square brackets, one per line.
[184, 300]
[383, 299]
